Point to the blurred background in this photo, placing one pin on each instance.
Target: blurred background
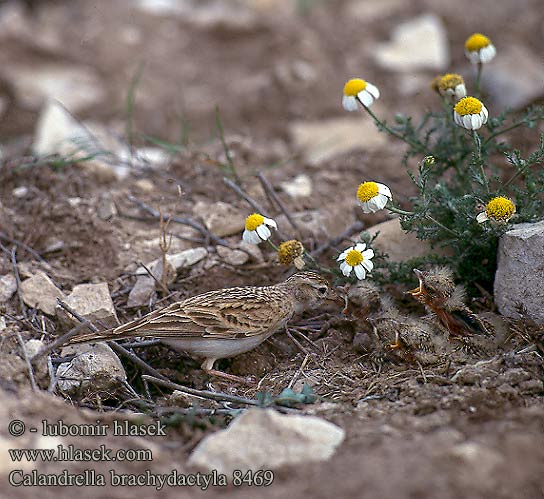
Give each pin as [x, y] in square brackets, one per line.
[267, 64]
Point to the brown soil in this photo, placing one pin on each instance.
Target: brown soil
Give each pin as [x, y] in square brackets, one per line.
[411, 432]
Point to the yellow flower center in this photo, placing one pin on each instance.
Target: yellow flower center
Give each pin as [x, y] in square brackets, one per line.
[450, 80]
[354, 86]
[477, 42]
[354, 258]
[468, 105]
[366, 191]
[289, 250]
[253, 221]
[500, 208]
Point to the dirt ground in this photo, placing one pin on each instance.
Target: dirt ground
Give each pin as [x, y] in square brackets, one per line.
[472, 428]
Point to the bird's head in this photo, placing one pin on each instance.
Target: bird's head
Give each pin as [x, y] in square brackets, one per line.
[310, 289]
[436, 286]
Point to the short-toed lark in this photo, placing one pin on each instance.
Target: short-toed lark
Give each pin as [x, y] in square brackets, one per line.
[437, 290]
[225, 322]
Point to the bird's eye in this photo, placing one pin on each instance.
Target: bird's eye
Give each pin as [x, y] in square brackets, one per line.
[322, 290]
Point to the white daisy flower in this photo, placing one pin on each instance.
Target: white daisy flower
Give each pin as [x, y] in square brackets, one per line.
[470, 113]
[452, 86]
[479, 49]
[373, 196]
[356, 258]
[499, 210]
[257, 228]
[357, 90]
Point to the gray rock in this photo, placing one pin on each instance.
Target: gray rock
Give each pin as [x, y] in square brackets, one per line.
[76, 87]
[145, 285]
[520, 272]
[20, 192]
[418, 44]
[299, 187]
[266, 439]
[140, 294]
[210, 15]
[398, 244]
[323, 140]
[32, 347]
[369, 11]
[97, 369]
[39, 292]
[232, 257]
[478, 373]
[220, 218]
[105, 208]
[187, 258]
[92, 301]
[253, 250]
[8, 286]
[514, 79]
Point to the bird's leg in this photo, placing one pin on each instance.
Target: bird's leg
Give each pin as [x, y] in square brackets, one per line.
[397, 343]
[207, 367]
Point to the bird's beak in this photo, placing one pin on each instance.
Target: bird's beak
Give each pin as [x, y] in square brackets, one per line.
[419, 290]
[336, 297]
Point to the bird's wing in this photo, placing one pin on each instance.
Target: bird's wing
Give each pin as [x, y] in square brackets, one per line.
[210, 315]
[466, 320]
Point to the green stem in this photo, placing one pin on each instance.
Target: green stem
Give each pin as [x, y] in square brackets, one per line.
[514, 177]
[394, 209]
[272, 244]
[389, 130]
[478, 144]
[442, 226]
[504, 130]
[314, 261]
[478, 79]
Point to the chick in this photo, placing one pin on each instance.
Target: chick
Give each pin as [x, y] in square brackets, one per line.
[389, 334]
[446, 302]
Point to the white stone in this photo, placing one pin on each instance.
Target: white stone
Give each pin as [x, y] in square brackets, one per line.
[8, 286]
[57, 131]
[187, 258]
[141, 292]
[232, 257]
[93, 302]
[97, 370]
[520, 272]
[178, 261]
[76, 87]
[145, 284]
[299, 187]
[368, 11]
[266, 439]
[323, 140]
[92, 146]
[20, 192]
[220, 218]
[398, 244]
[514, 80]
[212, 14]
[40, 292]
[420, 43]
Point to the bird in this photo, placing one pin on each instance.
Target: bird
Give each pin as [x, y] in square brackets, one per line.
[225, 322]
[446, 301]
[393, 335]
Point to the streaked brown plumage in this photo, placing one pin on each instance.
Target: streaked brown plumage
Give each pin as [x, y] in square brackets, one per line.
[437, 290]
[393, 335]
[225, 322]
